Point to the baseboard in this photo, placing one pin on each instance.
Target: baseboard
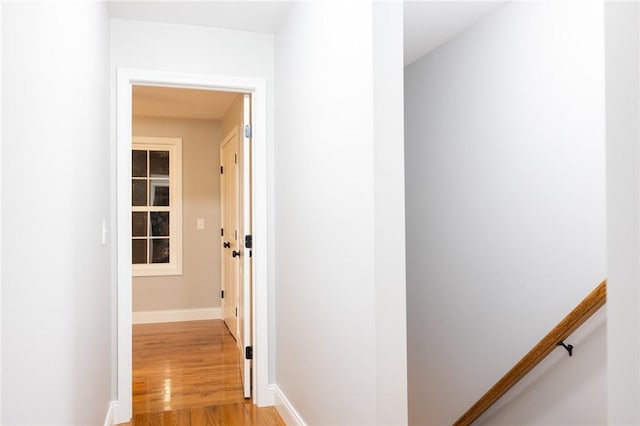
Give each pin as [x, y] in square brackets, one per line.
[174, 315]
[108, 420]
[285, 408]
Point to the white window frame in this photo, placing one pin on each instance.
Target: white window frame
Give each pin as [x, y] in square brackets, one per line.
[174, 146]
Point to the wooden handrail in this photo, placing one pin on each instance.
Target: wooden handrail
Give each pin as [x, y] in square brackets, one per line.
[560, 332]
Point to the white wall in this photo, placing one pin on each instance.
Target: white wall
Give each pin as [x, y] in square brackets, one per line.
[505, 189]
[558, 392]
[192, 49]
[332, 351]
[623, 209]
[1, 133]
[390, 277]
[233, 117]
[55, 195]
[199, 50]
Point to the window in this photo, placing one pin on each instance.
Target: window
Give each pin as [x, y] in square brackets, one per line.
[156, 206]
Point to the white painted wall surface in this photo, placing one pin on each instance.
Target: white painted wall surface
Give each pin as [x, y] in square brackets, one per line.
[390, 279]
[325, 337]
[332, 350]
[233, 117]
[622, 20]
[55, 195]
[505, 189]
[199, 50]
[1, 133]
[558, 392]
[190, 49]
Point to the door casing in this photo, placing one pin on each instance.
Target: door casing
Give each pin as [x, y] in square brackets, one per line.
[121, 223]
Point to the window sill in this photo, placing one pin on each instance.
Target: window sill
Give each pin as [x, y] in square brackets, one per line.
[155, 270]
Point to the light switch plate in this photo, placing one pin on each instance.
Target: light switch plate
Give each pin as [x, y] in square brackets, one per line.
[200, 223]
[104, 232]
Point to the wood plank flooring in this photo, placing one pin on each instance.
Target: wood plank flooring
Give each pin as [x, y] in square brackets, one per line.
[246, 414]
[188, 373]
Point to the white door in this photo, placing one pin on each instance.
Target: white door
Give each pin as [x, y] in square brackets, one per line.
[246, 271]
[236, 239]
[229, 202]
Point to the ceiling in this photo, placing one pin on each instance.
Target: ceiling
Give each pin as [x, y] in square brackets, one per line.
[170, 102]
[427, 24]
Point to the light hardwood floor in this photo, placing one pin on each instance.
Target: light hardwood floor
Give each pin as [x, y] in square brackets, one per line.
[238, 414]
[188, 374]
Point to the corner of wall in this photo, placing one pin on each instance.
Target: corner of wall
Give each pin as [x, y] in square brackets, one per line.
[390, 262]
[622, 66]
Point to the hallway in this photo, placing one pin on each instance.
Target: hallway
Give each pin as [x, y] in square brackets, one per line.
[187, 373]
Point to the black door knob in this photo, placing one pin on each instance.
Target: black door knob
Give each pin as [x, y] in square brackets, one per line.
[226, 245]
[235, 254]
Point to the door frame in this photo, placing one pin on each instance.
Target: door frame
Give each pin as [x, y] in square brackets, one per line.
[126, 78]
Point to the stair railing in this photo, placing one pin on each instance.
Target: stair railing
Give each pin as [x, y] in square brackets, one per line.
[589, 306]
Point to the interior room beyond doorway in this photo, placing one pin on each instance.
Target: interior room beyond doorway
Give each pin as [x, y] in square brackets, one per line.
[178, 204]
[200, 118]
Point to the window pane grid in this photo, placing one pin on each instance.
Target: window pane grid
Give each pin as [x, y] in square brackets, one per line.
[151, 206]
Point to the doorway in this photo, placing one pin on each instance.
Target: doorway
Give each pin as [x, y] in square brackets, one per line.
[257, 274]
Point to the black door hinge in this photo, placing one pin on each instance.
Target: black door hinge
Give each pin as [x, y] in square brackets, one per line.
[236, 312]
[222, 294]
[222, 232]
[248, 241]
[248, 352]
[221, 170]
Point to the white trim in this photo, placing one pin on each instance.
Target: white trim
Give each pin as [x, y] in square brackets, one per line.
[108, 419]
[1, 89]
[286, 410]
[174, 146]
[122, 228]
[175, 315]
[257, 87]
[259, 280]
[245, 277]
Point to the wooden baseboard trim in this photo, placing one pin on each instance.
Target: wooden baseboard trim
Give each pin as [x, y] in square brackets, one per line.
[285, 408]
[174, 315]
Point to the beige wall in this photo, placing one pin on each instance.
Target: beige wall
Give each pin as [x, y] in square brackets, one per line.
[199, 285]
[233, 116]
